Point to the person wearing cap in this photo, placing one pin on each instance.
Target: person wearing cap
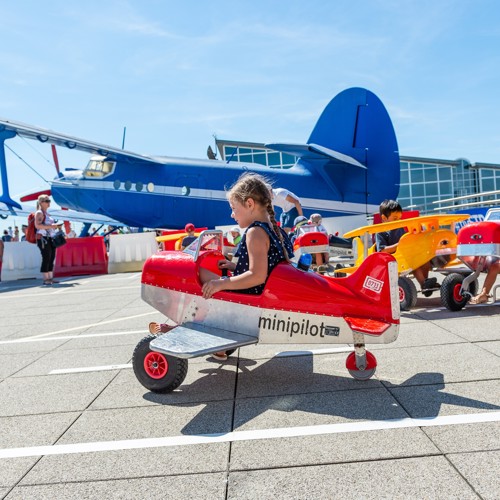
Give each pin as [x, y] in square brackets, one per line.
[45, 230]
[236, 235]
[297, 224]
[190, 237]
[322, 259]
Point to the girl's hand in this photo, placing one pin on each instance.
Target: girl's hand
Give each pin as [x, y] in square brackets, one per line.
[213, 286]
[226, 264]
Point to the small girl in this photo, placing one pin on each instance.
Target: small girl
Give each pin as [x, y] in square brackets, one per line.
[263, 246]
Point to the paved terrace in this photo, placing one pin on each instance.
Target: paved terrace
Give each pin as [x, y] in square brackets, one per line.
[272, 422]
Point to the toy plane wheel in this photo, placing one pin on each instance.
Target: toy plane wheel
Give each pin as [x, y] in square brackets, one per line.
[407, 293]
[355, 372]
[451, 298]
[156, 371]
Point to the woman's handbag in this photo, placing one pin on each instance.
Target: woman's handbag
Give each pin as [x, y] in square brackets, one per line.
[59, 239]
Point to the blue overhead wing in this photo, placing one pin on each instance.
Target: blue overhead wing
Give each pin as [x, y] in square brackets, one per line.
[60, 215]
[67, 141]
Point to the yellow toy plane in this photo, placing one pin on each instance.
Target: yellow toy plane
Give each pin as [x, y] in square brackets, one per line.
[428, 239]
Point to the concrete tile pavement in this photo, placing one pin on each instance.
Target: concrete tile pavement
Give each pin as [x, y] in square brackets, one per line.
[443, 365]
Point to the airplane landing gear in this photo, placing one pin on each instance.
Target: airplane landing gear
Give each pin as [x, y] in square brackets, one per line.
[361, 364]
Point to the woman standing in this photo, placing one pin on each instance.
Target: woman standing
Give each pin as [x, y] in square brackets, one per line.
[45, 230]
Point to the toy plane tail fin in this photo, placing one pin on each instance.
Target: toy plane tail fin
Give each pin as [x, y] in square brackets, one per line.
[377, 281]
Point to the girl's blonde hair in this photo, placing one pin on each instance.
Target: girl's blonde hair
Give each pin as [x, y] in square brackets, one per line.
[257, 187]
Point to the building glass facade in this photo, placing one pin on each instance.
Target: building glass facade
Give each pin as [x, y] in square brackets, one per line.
[250, 152]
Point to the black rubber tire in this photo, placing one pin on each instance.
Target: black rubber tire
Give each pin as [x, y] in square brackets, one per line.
[450, 288]
[362, 374]
[176, 368]
[407, 293]
[228, 353]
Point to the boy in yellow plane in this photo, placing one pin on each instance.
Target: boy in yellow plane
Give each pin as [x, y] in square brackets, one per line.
[387, 241]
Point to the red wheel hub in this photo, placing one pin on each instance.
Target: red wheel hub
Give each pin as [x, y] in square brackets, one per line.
[457, 296]
[401, 294]
[350, 362]
[155, 365]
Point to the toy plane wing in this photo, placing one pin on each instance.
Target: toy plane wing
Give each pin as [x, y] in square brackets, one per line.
[414, 224]
[192, 340]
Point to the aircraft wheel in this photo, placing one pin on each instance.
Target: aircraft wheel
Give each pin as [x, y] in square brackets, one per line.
[407, 293]
[367, 373]
[451, 298]
[156, 371]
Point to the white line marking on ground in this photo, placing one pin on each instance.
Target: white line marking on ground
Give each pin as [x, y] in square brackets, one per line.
[284, 432]
[55, 291]
[125, 318]
[90, 369]
[70, 337]
[313, 351]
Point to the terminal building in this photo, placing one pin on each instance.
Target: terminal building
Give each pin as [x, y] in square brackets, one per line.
[424, 181]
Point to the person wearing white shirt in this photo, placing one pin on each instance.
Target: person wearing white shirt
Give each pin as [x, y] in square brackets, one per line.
[290, 206]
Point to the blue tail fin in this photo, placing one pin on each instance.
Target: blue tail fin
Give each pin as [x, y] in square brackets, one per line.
[354, 148]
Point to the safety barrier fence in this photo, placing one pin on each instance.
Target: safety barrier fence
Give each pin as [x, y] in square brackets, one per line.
[80, 256]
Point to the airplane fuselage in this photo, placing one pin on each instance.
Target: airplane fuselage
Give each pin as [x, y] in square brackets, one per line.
[175, 191]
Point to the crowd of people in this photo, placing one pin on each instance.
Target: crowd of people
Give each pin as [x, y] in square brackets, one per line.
[13, 234]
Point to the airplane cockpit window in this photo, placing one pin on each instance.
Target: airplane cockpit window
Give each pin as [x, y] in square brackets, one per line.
[99, 168]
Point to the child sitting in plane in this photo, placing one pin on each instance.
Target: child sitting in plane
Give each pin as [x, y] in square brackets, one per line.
[190, 237]
[297, 224]
[262, 247]
[322, 259]
[387, 241]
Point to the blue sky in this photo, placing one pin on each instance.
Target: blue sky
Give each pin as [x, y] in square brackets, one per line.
[176, 73]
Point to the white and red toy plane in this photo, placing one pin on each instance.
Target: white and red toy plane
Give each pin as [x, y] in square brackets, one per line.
[296, 307]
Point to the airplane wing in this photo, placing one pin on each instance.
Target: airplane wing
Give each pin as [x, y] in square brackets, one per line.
[67, 141]
[192, 340]
[59, 215]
